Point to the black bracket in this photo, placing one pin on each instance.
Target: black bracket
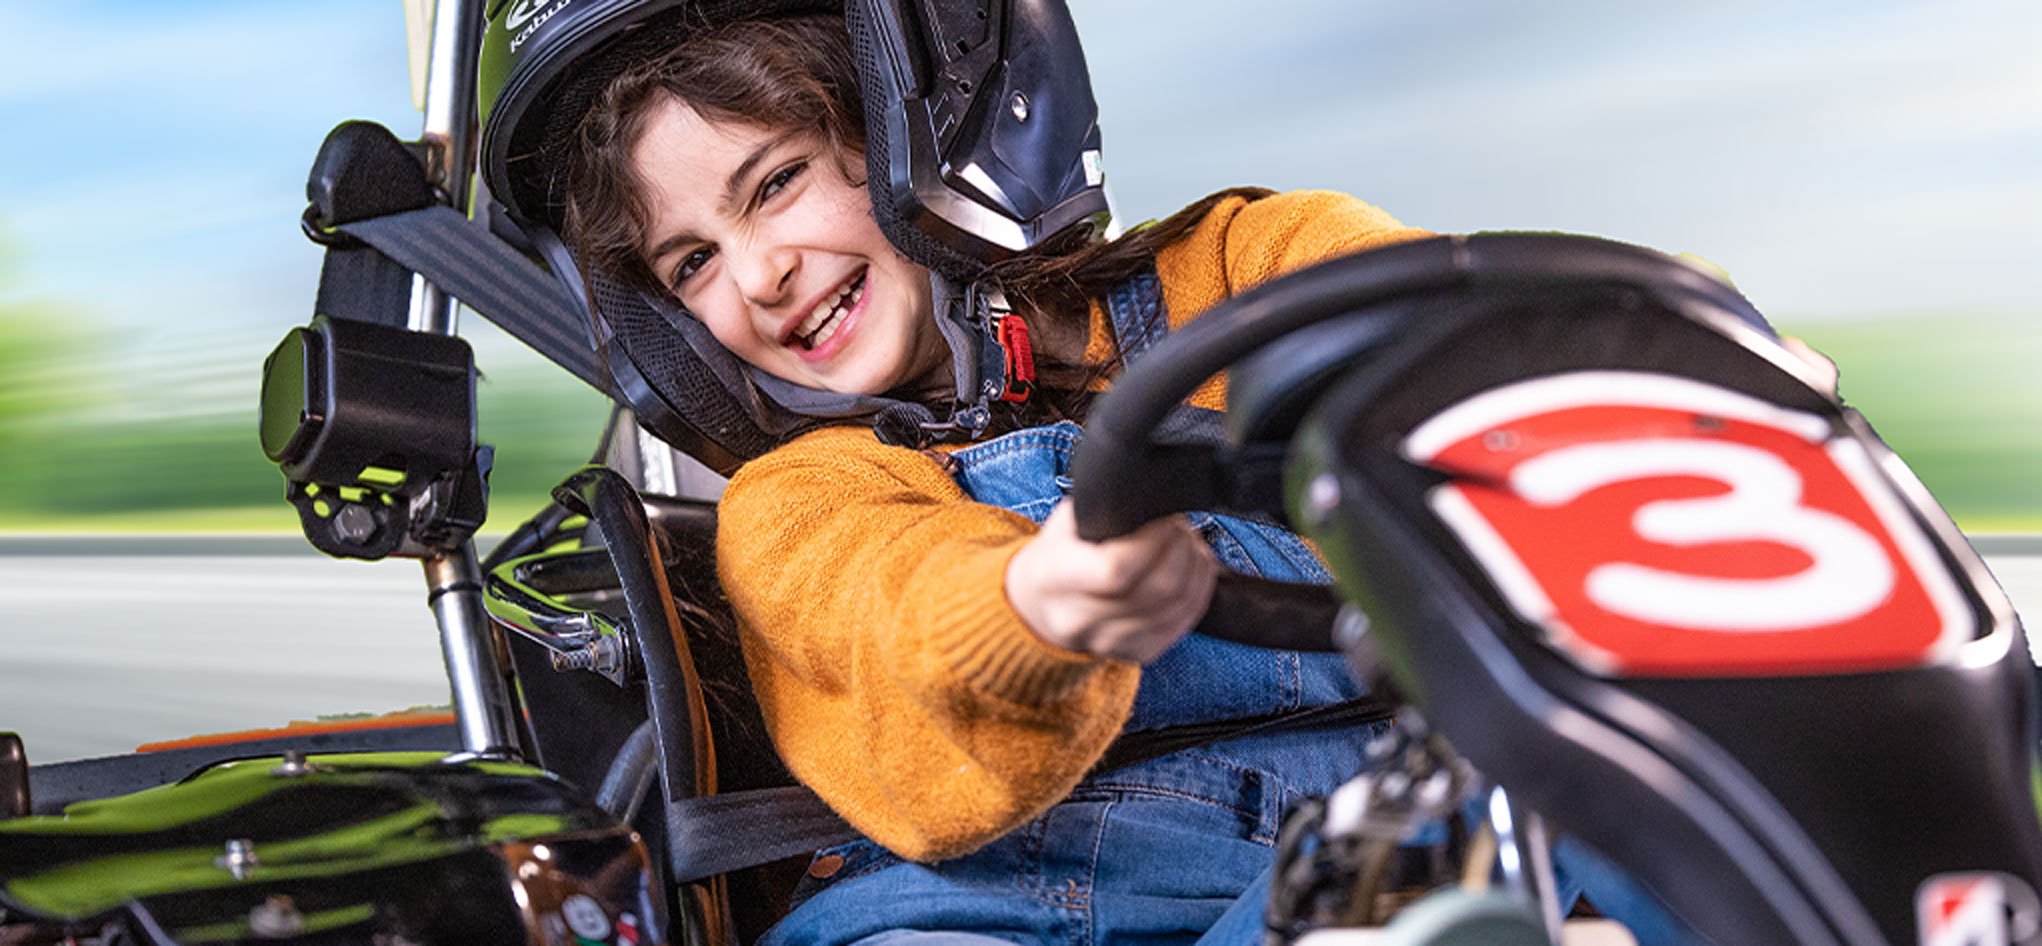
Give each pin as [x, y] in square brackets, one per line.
[374, 427]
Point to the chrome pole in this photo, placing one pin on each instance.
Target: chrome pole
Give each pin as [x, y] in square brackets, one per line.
[449, 137]
[468, 641]
[1538, 845]
[473, 652]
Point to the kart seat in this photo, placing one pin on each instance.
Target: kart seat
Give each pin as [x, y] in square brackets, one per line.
[583, 726]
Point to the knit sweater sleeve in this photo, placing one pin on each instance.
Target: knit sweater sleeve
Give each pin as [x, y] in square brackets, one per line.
[1243, 243]
[897, 680]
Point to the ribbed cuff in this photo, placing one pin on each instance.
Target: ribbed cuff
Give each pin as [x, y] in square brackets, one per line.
[989, 647]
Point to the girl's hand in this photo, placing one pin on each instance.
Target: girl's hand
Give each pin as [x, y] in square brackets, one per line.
[1128, 598]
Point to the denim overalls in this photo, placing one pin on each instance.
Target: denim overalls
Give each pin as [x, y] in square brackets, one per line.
[1154, 852]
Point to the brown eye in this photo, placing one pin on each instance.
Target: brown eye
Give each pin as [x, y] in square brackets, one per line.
[779, 180]
[690, 265]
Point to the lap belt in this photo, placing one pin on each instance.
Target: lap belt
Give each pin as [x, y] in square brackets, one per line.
[1137, 747]
[717, 834]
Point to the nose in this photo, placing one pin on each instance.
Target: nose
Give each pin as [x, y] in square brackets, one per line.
[763, 270]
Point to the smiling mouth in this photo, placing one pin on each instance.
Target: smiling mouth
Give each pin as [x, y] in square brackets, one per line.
[829, 316]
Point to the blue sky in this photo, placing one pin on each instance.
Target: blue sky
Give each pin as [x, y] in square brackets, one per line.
[1840, 159]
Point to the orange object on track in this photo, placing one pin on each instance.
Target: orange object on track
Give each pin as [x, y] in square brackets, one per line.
[398, 720]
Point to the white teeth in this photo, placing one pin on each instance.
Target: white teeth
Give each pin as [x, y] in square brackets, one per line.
[823, 322]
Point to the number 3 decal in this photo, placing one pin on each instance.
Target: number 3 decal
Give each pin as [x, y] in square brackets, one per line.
[1657, 526]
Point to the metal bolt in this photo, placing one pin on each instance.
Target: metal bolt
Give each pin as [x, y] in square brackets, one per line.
[1350, 625]
[1704, 422]
[606, 655]
[276, 918]
[240, 858]
[1395, 785]
[1019, 105]
[354, 523]
[294, 764]
[1383, 746]
[583, 659]
[1323, 496]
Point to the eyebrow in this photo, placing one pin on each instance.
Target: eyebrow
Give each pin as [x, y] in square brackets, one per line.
[733, 192]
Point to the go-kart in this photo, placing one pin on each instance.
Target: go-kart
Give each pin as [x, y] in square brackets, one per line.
[1609, 546]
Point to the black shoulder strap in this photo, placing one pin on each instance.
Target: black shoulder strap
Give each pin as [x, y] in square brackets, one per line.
[487, 275]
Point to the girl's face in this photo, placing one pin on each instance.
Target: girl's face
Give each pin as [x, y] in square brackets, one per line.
[760, 235]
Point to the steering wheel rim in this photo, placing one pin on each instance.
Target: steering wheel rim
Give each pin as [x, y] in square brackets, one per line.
[1123, 477]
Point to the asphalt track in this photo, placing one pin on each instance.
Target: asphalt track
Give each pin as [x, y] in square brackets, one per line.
[107, 642]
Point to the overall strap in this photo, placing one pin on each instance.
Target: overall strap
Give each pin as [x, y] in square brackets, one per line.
[1135, 307]
[1140, 320]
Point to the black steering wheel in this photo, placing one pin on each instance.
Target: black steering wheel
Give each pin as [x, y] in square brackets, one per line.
[1288, 341]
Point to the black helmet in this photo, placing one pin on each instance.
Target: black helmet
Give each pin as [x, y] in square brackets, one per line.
[981, 141]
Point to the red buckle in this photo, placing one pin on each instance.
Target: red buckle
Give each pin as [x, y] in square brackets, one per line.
[1013, 337]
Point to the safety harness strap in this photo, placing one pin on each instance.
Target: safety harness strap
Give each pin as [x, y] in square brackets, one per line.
[717, 834]
[487, 275]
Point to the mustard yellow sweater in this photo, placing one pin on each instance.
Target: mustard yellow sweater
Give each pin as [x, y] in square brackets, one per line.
[896, 680]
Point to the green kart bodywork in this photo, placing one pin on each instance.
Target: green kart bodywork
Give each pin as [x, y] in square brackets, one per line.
[399, 843]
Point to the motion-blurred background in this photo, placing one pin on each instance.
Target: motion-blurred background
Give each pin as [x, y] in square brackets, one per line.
[1869, 173]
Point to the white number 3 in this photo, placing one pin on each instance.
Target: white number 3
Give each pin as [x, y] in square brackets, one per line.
[1850, 572]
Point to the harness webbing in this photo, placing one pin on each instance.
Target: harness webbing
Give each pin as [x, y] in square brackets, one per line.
[487, 275]
[716, 834]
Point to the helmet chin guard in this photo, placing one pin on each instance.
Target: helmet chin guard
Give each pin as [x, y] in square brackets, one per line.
[982, 136]
[982, 141]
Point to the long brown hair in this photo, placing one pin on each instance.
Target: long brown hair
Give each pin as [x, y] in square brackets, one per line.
[798, 73]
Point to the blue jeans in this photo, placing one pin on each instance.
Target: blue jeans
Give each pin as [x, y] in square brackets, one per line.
[1159, 852]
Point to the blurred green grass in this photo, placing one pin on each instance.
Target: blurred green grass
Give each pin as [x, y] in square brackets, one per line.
[1952, 394]
[1948, 391]
[75, 459]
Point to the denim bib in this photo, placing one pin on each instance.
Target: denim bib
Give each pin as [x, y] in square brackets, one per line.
[1200, 679]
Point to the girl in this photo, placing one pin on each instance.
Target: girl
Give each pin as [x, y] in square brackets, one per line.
[937, 654]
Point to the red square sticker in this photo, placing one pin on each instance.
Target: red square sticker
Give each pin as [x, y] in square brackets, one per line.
[1983, 908]
[1657, 526]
